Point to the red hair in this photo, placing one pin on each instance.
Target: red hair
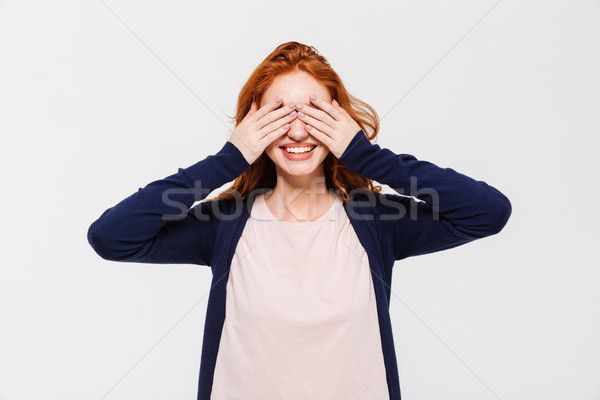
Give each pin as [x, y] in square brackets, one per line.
[287, 58]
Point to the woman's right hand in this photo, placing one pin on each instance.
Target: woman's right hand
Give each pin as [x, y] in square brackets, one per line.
[260, 128]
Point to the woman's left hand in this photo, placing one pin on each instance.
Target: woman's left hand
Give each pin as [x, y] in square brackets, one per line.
[330, 124]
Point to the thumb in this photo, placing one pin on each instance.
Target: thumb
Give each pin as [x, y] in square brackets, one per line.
[251, 111]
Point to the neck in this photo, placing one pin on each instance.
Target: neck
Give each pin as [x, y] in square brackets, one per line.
[300, 197]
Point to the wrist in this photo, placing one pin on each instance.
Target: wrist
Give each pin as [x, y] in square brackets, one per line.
[353, 151]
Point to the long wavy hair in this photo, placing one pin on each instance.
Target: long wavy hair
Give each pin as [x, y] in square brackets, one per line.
[287, 57]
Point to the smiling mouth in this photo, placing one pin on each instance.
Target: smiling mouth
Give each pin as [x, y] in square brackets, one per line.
[298, 150]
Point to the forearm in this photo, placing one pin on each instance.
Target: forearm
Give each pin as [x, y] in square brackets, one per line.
[474, 208]
[129, 226]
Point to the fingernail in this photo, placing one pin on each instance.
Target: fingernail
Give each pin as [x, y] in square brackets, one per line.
[300, 114]
[299, 106]
[313, 97]
[278, 99]
[292, 105]
[308, 127]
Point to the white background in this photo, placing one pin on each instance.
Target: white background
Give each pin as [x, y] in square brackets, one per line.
[95, 104]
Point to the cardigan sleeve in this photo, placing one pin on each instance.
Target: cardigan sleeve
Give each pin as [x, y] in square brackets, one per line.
[451, 208]
[156, 224]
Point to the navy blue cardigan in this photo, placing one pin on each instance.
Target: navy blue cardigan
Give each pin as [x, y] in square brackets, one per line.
[157, 224]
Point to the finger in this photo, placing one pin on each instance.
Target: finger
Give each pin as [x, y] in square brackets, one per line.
[249, 113]
[276, 115]
[326, 107]
[252, 109]
[286, 119]
[307, 119]
[273, 104]
[340, 109]
[272, 136]
[317, 114]
[322, 137]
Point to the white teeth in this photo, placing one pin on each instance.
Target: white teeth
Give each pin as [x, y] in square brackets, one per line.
[298, 149]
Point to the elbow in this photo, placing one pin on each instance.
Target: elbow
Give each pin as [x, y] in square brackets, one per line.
[98, 237]
[106, 245]
[502, 211]
[99, 243]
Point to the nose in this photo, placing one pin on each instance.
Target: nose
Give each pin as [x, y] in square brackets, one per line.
[297, 131]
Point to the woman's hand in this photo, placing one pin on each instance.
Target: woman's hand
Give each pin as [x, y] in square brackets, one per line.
[330, 124]
[260, 128]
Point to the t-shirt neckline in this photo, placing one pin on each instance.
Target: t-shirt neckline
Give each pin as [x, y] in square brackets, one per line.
[265, 213]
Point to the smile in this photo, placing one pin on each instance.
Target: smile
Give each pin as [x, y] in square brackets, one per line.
[298, 153]
[299, 150]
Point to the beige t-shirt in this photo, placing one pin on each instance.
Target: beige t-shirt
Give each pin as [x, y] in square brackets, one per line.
[301, 319]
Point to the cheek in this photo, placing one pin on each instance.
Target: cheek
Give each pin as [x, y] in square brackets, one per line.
[324, 150]
[271, 149]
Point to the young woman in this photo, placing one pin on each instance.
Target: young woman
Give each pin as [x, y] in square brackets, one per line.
[302, 244]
